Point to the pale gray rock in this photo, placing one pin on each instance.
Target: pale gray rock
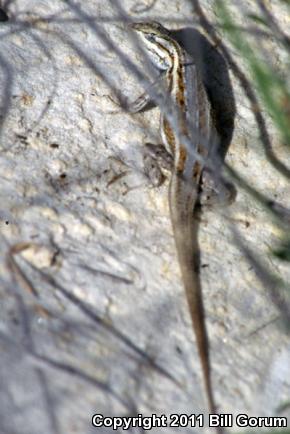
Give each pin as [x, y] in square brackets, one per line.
[108, 331]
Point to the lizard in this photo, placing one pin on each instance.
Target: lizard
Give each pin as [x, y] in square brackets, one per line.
[188, 136]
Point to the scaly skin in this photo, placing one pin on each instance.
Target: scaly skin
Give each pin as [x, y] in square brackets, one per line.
[188, 97]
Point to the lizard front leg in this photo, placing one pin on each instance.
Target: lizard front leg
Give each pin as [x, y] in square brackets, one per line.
[145, 101]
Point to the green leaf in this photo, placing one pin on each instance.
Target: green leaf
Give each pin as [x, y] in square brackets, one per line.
[284, 406]
[283, 252]
[258, 19]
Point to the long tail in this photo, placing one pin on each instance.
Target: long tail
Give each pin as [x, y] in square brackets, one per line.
[188, 260]
[182, 201]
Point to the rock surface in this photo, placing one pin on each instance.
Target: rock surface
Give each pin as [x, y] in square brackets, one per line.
[93, 313]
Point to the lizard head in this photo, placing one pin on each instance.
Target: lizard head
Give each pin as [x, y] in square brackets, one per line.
[159, 45]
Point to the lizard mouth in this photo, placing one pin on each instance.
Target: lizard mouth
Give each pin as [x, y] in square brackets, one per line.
[137, 26]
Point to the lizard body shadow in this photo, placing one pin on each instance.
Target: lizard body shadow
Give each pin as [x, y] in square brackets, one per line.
[215, 75]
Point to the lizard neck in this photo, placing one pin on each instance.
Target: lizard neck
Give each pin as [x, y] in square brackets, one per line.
[176, 76]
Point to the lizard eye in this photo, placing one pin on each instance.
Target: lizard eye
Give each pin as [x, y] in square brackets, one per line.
[150, 37]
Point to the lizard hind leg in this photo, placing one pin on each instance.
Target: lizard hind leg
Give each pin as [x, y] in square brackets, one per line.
[213, 193]
[156, 160]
